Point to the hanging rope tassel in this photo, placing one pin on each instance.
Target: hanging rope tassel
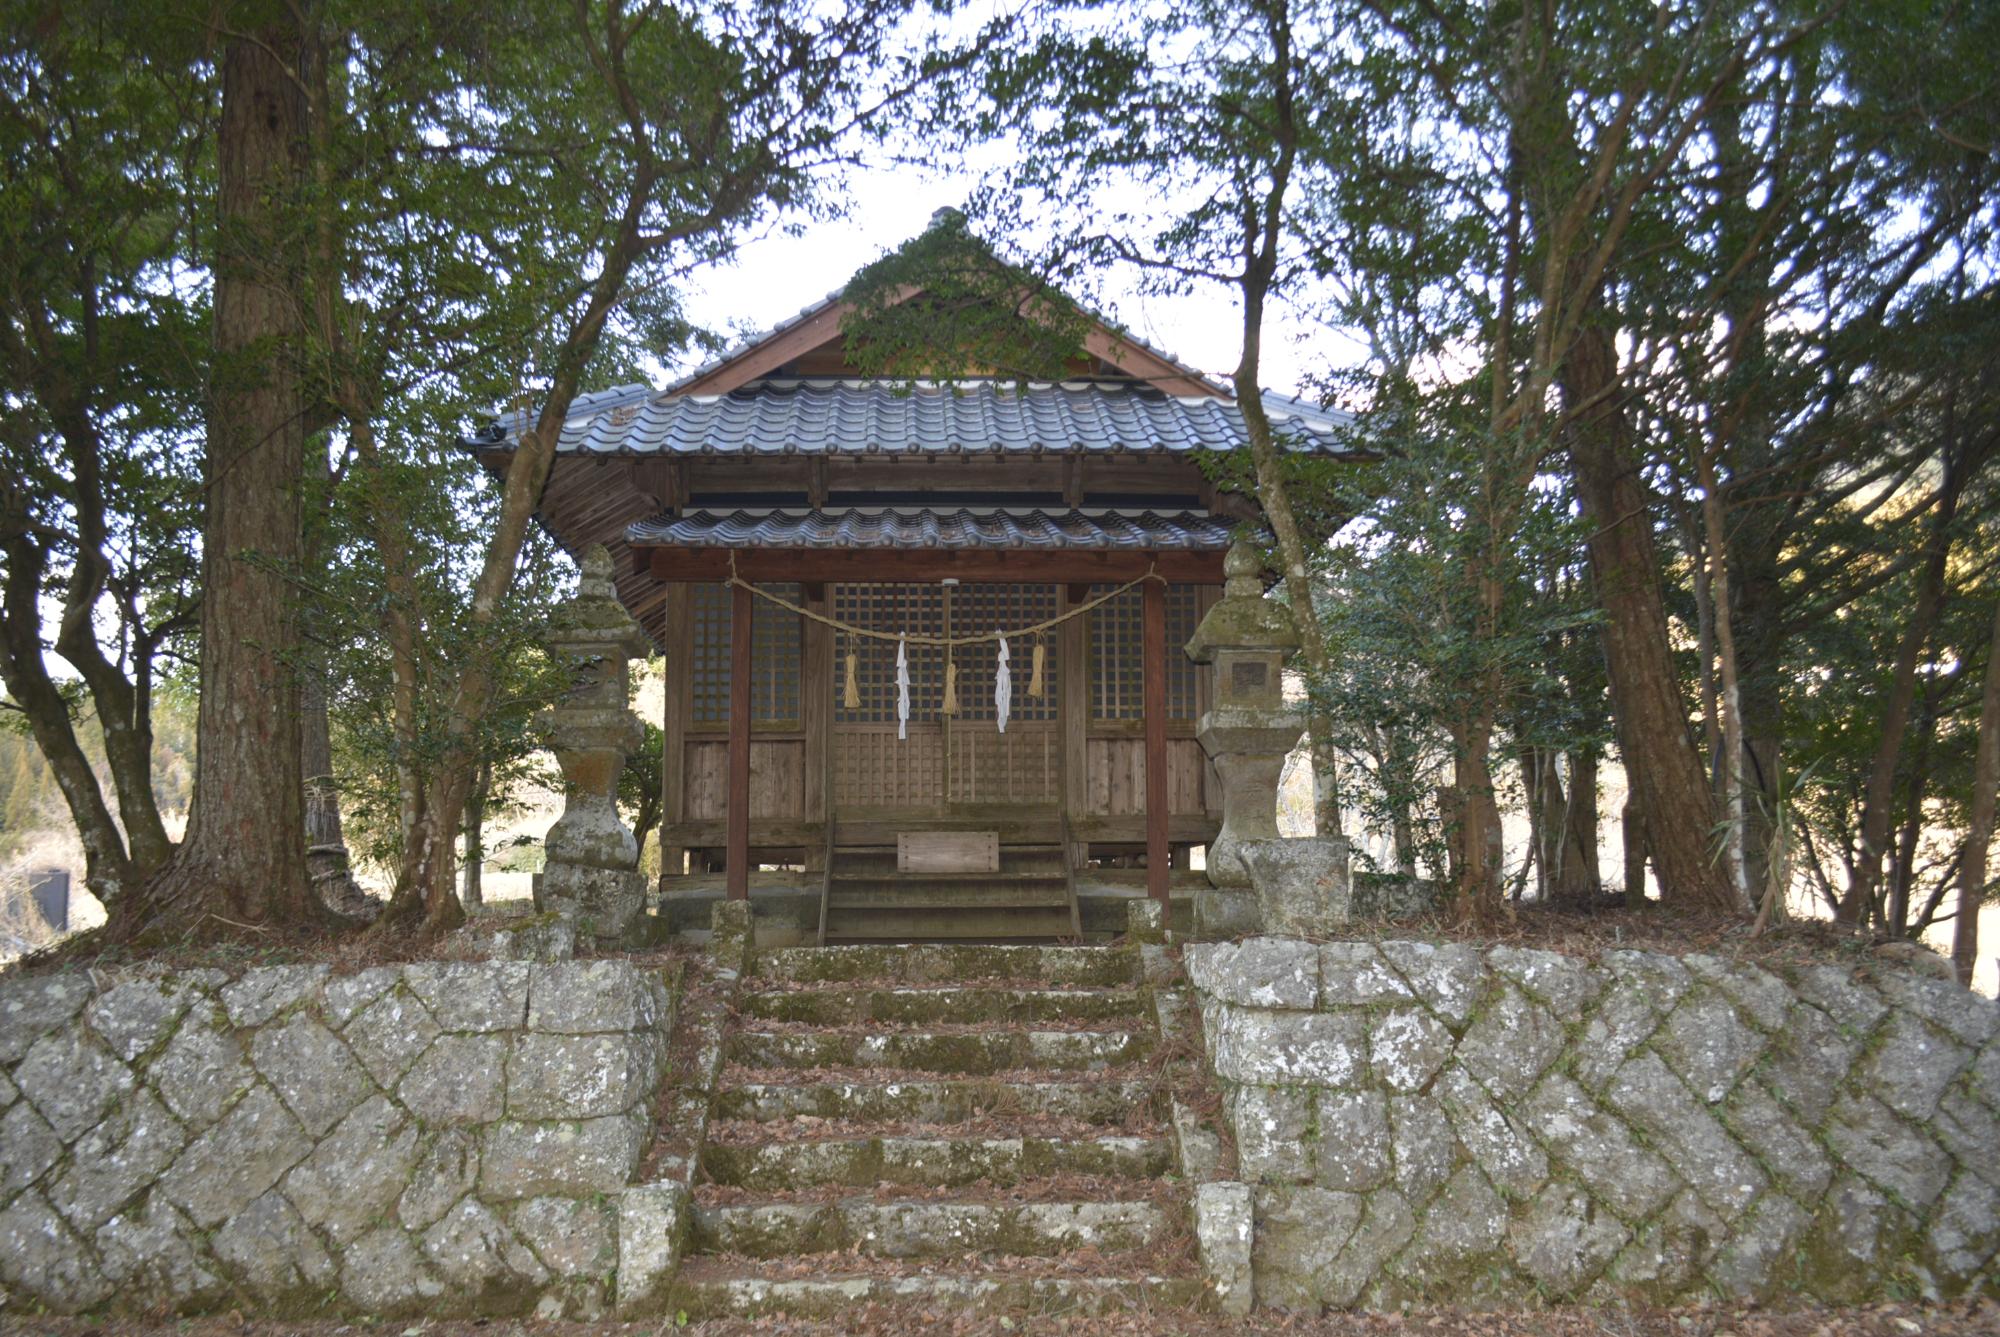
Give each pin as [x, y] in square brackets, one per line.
[950, 706]
[851, 697]
[1003, 689]
[1035, 687]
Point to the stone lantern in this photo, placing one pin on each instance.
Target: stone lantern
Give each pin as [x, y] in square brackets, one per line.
[1248, 731]
[592, 869]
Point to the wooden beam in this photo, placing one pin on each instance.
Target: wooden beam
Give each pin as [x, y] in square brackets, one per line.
[1072, 678]
[816, 705]
[1154, 629]
[924, 565]
[740, 616]
[679, 699]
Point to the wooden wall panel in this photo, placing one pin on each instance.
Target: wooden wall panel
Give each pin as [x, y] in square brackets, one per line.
[1117, 769]
[777, 780]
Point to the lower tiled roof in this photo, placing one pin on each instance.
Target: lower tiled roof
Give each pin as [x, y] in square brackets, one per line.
[922, 527]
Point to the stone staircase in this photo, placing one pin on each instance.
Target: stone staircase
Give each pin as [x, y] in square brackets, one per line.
[1030, 897]
[962, 1128]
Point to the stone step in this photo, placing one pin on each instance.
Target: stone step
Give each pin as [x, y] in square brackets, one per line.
[932, 1051]
[836, 1006]
[935, 963]
[942, 917]
[725, 1288]
[918, 1228]
[931, 1162]
[1104, 1101]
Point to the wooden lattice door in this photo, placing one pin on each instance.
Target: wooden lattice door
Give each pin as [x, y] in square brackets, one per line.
[947, 763]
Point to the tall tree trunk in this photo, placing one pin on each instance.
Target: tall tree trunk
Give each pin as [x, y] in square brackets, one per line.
[1732, 702]
[472, 892]
[1633, 824]
[1583, 817]
[327, 864]
[1661, 764]
[1979, 831]
[1878, 799]
[242, 862]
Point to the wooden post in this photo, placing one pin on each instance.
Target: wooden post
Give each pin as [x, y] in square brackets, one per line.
[1072, 673]
[816, 715]
[1158, 867]
[740, 615]
[679, 699]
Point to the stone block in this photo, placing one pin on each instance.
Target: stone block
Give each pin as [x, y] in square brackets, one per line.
[1146, 921]
[28, 1147]
[265, 991]
[1668, 1255]
[653, 1224]
[311, 1070]
[1423, 1147]
[1353, 974]
[461, 1079]
[1406, 1047]
[1300, 1233]
[1912, 1065]
[478, 1256]
[383, 1274]
[1223, 1231]
[342, 997]
[42, 1259]
[574, 1237]
[479, 996]
[1761, 996]
[588, 997]
[1970, 1131]
[1708, 1044]
[1564, 1240]
[202, 1071]
[1841, 993]
[1599, 1149]
[1511, 1044]
[390, 1034]
[529, 1160]
[234, 1162]
[1856, 1229]
[1259, 972]
[546, 938]
[1807, 1064]
[1683, 1130]
[1759, 1246]
[1287, 1048]
[1627, 1015]
[1226, 912]
[1769, 1133]
[71, 1081]
[158, 1254]
[1272, 1124]
[1354, 1145]
[1563, 984]
[352, 1178]
[1871, 1141]
[1964, 1231]
[1969, 1018]
[579, 1076]
[444, 1173]
[1502, 1149]
[136, 1014]
[1303, 886]
[1387, 1224]
[1467, 1222]
[1446, 978]
[116, 1159]
[273, 1254]
[33, 1005]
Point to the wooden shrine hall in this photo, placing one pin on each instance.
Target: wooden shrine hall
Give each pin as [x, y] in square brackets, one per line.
[874, 515]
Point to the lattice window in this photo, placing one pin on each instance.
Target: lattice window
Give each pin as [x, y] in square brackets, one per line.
[978, 608]
[777, 645]
[1118, 654]
[904, 609]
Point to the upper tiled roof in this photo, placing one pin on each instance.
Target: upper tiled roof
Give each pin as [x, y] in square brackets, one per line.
[820, 417]
[922, 527]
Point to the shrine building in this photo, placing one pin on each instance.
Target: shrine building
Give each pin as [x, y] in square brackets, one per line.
[784, 525]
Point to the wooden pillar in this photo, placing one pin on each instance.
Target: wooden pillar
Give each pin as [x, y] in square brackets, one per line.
[816, 715]
[1158, 867]
[740, 616]
[678, 694]
[1072, 671]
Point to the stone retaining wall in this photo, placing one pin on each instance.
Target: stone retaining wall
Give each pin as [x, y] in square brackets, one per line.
[427, 1138]
[1433, 1122]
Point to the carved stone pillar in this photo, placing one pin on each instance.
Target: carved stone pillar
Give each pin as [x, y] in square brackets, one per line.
[592, 868]
[1249, 730]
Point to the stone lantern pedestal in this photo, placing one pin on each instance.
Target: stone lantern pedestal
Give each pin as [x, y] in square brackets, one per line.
[1247, 733]
[592, 868]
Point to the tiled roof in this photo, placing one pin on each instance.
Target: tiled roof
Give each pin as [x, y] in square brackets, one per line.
[819, 417]
[921, 527]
